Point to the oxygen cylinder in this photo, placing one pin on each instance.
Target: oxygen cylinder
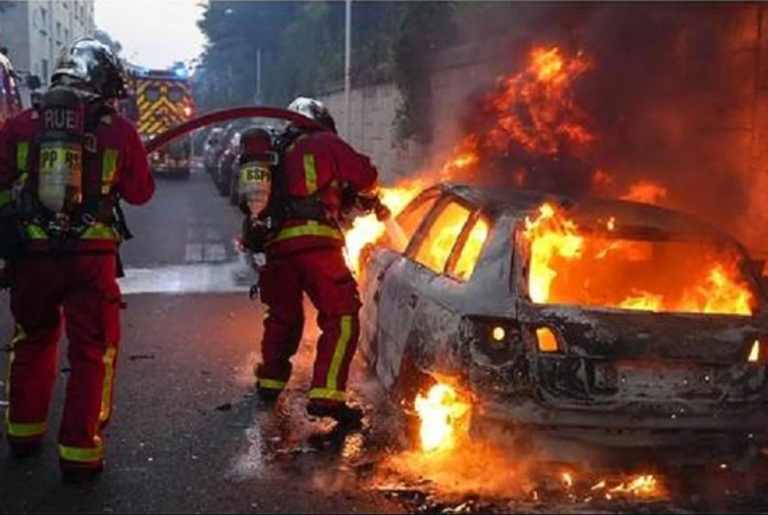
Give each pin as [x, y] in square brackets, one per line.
[255, 170]
[60, 164]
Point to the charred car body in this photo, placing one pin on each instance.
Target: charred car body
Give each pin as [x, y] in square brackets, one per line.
[571, 365]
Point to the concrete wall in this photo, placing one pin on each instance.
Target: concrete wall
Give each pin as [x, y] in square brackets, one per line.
[457, 74]
[371, 128]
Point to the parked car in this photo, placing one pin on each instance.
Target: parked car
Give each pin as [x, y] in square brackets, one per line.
[212, 149]
[227, 160]
[461, 298]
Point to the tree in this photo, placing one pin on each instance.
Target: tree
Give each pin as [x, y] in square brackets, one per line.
[302, 48]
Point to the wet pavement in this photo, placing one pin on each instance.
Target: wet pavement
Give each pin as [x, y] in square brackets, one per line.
[189, 436]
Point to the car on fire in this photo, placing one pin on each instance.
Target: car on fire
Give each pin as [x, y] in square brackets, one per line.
[573, 324]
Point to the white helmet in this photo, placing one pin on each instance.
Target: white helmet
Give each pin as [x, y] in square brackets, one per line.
[313, 109]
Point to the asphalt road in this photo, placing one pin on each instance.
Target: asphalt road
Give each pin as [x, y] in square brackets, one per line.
[186, 435]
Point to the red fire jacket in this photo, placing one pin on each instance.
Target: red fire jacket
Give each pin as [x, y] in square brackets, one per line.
[322, 165]
[120, 161]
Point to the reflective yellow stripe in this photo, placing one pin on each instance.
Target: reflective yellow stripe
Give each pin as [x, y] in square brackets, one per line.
[35, 232]
[340, 353]
[27, 430]
[311, 173]
[327, 394]
[100, 232]
[109, 378]
[22, 151]
[108, 171]
[309, 229]
[5, 197]
[18, 336]
[271, 384]
[81, 455]
[96, 232]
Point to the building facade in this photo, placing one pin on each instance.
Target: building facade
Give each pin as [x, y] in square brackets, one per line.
[36, 31]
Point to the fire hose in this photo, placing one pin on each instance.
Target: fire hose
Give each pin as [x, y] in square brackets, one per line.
[302, 122]
[374, 204]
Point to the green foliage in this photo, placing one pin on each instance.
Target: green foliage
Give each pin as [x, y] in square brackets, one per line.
[302, 49]
[424, 28]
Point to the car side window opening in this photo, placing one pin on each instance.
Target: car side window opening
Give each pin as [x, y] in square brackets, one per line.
[438, 242]
[410, 220]
[468, 251]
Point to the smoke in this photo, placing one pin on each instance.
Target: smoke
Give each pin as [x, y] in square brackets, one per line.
[669, 95]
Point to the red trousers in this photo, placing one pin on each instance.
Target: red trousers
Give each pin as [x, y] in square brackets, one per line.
[323, 275]
[49, 293]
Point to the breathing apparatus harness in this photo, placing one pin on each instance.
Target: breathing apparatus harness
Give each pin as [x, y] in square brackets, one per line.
[64, 198]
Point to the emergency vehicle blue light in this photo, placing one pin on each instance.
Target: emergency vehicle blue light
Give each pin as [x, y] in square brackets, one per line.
[181, 73]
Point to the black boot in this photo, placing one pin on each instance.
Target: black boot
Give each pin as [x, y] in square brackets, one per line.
[24, 450]
[80, 475]
[339, 411]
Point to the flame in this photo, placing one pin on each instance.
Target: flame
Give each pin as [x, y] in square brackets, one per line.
[440, 412]
[533, 110]
[646, 192]
[643, 486]
[368, 229]
[570, 266]
[551, 236]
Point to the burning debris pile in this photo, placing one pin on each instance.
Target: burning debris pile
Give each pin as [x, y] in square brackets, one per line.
[451, 473]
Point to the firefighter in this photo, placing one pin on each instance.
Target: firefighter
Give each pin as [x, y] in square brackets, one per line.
[63, 169]
[319, 178]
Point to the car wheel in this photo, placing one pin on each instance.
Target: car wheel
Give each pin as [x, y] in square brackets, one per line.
[410, 382]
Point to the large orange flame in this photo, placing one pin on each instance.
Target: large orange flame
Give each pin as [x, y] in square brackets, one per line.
[552, 118]
[571, 266]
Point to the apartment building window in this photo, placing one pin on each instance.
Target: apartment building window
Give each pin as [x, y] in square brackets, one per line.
[44, 17]
[58, 29]
[45, 71]
[66, 37]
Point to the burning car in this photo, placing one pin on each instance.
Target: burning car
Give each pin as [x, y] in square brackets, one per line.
[602, 322]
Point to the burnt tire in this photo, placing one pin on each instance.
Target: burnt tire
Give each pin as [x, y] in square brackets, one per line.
[410, 382]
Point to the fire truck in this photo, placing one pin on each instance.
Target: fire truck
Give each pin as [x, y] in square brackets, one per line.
[159, 100]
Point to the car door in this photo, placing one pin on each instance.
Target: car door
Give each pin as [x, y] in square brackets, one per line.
[426, 257]
[379, 286]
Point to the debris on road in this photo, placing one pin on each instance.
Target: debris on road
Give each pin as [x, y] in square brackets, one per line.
[224, 407]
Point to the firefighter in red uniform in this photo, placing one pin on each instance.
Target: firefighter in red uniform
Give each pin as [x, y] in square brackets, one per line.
[63, 169]
[319, 177]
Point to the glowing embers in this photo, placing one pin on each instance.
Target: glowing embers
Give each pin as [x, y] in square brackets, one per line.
[442, 412]
[600, 266]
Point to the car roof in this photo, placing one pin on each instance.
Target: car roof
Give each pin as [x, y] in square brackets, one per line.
[521, 203]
